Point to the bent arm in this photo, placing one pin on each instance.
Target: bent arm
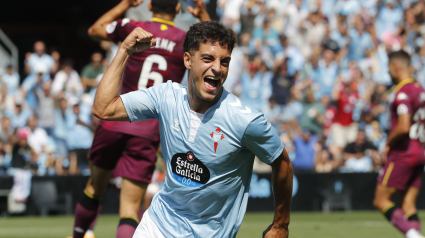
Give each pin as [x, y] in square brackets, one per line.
[402, 128]
[107, 103]
[282, 175]
[98, 30]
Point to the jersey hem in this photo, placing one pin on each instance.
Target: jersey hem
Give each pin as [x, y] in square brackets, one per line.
[277, 153]
[129, 112]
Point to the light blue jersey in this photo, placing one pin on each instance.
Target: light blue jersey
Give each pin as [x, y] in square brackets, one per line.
[209, 159]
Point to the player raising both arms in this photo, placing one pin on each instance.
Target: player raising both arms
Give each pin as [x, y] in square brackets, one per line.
[209, 139]
[404, 153]
[136, 143]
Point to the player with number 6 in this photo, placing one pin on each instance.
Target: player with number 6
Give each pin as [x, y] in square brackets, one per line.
[135, 144]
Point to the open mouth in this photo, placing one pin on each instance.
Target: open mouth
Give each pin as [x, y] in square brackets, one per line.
[211, 83]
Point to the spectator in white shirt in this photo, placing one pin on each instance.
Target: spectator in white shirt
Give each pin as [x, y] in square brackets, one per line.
[67, 83]
[37, 138]
[40, 59]
[11, 79]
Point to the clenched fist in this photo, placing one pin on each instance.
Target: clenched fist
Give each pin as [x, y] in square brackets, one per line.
[138, 40]
[133, 3]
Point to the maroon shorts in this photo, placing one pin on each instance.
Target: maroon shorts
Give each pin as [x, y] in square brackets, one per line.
[401, 175]
[137, 155]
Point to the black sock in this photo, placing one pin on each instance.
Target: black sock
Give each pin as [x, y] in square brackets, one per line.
[390, 212]
[413, 217]
[89, 201]
[129, 221]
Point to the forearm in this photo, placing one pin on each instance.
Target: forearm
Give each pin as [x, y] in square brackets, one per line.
[204, 16]
[282, 175]
[97, 30]
[109, 87]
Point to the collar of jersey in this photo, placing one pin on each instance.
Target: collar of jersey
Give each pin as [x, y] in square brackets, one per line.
[156, 19]
[402, 83]
[210, 111]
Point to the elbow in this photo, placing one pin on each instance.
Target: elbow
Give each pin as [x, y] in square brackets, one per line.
[405, 130]
[98, 114]
[91, 31]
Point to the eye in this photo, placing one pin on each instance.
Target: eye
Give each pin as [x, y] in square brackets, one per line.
[225, 63]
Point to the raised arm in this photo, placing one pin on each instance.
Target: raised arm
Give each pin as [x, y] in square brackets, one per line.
[107, 103]
[199, 11]
[98, 30]
[336, 89]
[282, 175]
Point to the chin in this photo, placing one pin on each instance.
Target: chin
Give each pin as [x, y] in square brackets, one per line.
[208, 96]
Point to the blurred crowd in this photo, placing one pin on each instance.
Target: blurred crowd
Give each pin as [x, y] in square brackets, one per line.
[46, 121]
[317, 69]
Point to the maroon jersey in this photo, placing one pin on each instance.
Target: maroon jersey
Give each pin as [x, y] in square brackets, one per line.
[409, 98]
[150, 67]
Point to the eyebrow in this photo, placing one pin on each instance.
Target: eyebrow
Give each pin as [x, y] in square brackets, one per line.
[208, 55]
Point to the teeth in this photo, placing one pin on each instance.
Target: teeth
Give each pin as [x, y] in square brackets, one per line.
[212, 78]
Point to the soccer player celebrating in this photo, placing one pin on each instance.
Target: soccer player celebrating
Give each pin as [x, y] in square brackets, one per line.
[405, 163]
[136, 143]
[208, 138]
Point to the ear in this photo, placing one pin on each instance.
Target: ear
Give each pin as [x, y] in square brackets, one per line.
[187, 60]
[150, 6]
[178, 8]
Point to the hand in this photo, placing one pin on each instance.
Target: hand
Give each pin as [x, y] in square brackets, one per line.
[275, 232]
[199, 8]
[385, 153]
[133, 3]
[138, 40]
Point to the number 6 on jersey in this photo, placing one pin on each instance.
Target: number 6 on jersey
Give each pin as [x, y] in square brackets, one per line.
[147, 73]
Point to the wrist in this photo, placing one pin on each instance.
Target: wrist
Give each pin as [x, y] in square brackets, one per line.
[124, 51]
[203, 15]
[280, 226]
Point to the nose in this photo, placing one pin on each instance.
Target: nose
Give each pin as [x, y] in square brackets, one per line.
[216, 67]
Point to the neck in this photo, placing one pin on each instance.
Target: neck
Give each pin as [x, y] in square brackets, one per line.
[164, 16]
[197, 103]
[403, 76]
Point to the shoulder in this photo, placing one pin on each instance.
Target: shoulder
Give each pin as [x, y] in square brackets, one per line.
[236, 110]
[33, 57]
[167, 90]
[408, 91]
[349, 146]
[402, 94]
[87, 67]
[126, 22]
[59, 75]
[178, 31]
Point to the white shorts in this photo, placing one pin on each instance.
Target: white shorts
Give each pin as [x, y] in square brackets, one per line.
[147, 228]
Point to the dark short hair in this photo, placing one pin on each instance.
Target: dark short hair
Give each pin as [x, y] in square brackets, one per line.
[208, 31]
[68, 62]
[164, 6]
[400, 55]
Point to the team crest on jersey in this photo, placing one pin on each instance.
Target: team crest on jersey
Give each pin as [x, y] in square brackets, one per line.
[217, 136]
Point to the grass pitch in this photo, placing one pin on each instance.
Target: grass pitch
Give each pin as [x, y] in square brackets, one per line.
[368, 224]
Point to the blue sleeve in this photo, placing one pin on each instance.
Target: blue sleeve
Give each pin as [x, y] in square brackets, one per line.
[143, 104]
[261, 138]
